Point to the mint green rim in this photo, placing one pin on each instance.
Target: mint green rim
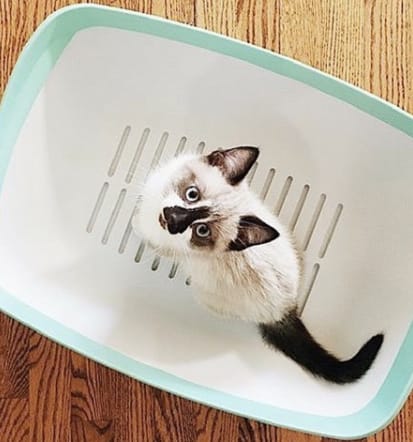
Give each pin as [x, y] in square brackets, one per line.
[32, 68]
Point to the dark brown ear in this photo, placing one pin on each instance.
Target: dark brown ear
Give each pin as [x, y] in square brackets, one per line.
[251, 232]
[234, 163]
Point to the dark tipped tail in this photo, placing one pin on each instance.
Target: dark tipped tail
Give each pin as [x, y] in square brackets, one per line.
[292, 337]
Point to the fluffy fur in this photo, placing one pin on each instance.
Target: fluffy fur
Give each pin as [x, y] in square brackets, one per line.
[247, 266]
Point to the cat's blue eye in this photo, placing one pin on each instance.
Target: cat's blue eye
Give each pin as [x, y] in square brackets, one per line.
[202, 230]
[192, 194]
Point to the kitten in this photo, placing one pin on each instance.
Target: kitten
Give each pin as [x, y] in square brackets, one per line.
[242, 260]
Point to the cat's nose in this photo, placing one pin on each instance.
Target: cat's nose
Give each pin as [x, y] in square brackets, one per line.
[176, 218]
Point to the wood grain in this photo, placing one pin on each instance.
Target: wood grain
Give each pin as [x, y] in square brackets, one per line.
[325, 34]
[135, 415]
[388, 51]
[48, 393]
[213, 424]
[14, 373]
[92, 408]
[253, 21]
[14, 420]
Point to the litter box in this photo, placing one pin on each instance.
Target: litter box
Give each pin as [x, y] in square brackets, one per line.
[100, 96]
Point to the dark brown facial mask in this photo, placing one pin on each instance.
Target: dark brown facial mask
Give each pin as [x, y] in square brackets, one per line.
[178, 219]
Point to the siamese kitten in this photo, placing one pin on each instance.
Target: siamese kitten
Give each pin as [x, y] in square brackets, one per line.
[242, 260]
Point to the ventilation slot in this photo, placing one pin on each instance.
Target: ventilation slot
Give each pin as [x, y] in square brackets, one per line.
[127, 234]
[314, 220]
[299, 207]
[155, 263]
[173, 271]
[181, 146]
[140, 251]
[96, 209]
[330, 231]
[135, 160]
[251, 173]
[307, 292]
[121, 146]
[200, 148]
[113, 216]
[128, 231]
[283, 195]
[267, 184]
[158, 153]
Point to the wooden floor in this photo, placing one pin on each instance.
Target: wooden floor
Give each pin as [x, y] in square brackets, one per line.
[48, 393]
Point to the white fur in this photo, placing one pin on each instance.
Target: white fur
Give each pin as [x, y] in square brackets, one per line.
[263, 297]
[258, 284]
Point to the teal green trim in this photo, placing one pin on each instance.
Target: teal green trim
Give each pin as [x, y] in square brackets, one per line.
[30, 73]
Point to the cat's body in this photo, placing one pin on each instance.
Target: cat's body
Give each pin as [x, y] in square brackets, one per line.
[242, 260]
[258, 285]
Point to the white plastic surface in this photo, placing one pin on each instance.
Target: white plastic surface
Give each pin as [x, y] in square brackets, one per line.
[84, 130]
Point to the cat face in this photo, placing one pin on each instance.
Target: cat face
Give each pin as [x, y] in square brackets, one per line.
[199, 203]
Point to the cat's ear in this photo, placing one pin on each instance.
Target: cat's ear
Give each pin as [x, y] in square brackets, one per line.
[252, 231]
[234, 163]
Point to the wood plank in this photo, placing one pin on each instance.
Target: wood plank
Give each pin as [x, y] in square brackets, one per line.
[325, 34]
[92, 407]
[14, 352]
[88, 431]
[14, 420]
[255, 432]
[173, 418]
[388, 50]
[211, 424]
[49, 392]
[135, 417]
[254, 21]
[182, 11]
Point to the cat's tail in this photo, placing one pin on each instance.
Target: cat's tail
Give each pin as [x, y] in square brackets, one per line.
[292, 337]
